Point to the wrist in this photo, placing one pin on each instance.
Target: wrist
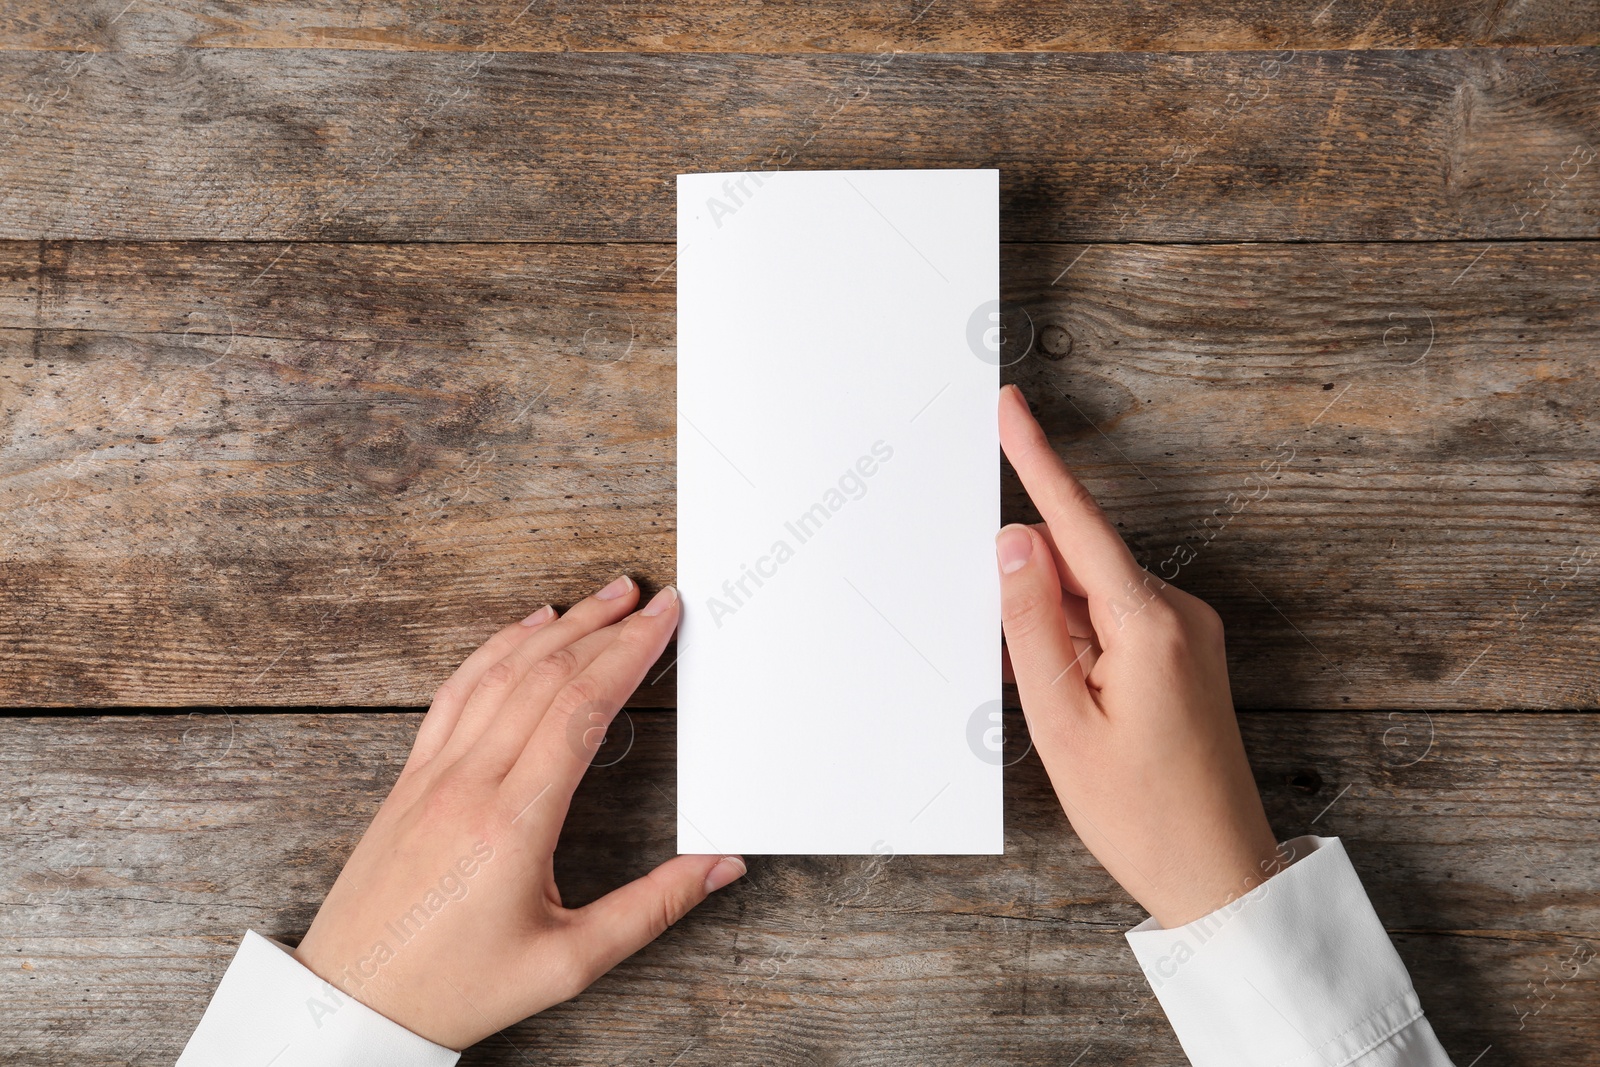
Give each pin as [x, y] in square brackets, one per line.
[1203, 892]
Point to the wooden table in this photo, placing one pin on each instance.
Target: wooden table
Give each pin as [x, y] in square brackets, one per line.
[333, 336]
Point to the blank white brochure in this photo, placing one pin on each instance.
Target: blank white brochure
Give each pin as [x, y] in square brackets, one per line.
[838, 496]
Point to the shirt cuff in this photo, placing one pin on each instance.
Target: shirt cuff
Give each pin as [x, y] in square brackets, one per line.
[270, 1009]
[1297, 973]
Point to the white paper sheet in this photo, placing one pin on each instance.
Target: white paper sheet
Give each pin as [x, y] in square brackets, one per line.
[838, 496]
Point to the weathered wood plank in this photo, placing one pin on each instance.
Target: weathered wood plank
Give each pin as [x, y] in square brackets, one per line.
[239, 475]
[319, 145]
[810, 26]
[139, 847]
[245, 475]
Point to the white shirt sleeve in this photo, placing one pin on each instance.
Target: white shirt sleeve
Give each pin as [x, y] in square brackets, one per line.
[270, 1011]
[1297, 973]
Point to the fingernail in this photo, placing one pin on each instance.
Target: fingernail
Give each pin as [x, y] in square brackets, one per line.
[543, 615]
[1017, 389]
[1013, 545]
[660, 602]
[615, 589]
[727, 869]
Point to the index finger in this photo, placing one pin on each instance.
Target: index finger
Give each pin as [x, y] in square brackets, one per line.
[1098, 565]
[557, 753]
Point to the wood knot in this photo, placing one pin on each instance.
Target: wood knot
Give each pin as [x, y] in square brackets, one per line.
[1055, 342]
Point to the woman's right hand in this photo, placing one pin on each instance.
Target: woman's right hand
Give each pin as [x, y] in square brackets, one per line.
[447, 918]
[1125, 689]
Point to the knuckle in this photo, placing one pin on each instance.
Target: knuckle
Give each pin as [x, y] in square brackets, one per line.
[1074, 497]
[556, 667]
[638, 641]
[1163, 623]
[1207, 620]
[666, 914]
[497, 677]
[1151, 619]
[1079, 496]
[1213, 639]
[582, 693]
[1145, 601]
[444, 696]
[669, 905]
[1024, 611]
[1199, 618]
[1168, 637]
[1165, 618]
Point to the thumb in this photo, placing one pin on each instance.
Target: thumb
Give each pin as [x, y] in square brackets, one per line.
[627, 919]
[1050, 676]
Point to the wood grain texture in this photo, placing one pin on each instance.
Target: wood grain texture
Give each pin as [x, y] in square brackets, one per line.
[249, 475]
[141, 847]
[793, 26]
[318, 145]
[303, 466]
